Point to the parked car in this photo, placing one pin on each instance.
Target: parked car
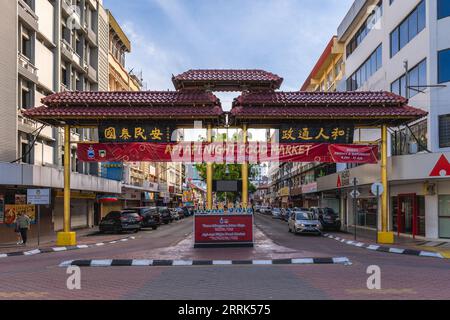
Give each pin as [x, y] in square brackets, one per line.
[304, 222]
[328, 218]
[188, 211]
[257, 208]
[120, 221]
[165, 215]
[265, 210]
[150, 216]
[276, 213]
[181, 213]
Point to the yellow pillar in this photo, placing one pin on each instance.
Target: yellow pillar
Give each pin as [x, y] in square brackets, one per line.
[209, 176]
[244, 171]
[384, 237]
[66, 238]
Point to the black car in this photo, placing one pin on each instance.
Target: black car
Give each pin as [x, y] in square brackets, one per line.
[120, 221]
[165, 215]
[328, 218]
[150, 216]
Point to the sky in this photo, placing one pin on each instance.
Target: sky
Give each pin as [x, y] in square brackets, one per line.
[285, 37]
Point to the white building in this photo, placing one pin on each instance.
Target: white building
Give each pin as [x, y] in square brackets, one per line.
[49, 46]
[380, 37]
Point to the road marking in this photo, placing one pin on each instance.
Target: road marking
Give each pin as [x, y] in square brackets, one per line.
[303, 261]
[396, 250]
[373, 247]
[58, 249]
[101, 263]
[142, 263]
[222, 262]
[182, 263]
[262, 262]
[430, 254]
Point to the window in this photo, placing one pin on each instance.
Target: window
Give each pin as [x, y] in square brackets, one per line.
[444, 66]
[367, 69]
[365, 29]
[417, 81]
[407, 141]
[444, 131]
[443, 9]
[444, 216]
[408, 29]
[26, 94]
[26, 44]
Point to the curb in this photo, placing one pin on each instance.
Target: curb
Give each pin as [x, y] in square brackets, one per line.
[177, 263]
[373, 247]
[61, 249]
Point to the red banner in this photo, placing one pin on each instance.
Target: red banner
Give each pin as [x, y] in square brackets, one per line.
[193, 152]
[223, 229]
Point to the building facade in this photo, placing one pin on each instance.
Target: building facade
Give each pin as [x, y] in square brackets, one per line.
[402, 47]
[53, 45]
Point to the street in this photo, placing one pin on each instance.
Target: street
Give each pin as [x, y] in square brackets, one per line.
[402, 277]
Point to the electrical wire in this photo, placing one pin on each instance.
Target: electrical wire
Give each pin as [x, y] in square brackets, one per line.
[39, 130]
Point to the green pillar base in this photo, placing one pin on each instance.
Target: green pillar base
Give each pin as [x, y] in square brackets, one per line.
[64, 239]
[385, 237]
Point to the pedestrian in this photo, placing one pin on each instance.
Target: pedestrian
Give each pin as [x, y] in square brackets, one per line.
[17, 231]
[23, 222]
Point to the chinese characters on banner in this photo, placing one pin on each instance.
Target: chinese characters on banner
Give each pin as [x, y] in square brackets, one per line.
[154, 133]
[341, 134]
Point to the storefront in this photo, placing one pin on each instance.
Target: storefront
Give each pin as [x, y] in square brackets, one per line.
[131, 197]
[82, 208]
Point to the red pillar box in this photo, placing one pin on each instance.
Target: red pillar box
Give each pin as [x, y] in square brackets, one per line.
[226, 230]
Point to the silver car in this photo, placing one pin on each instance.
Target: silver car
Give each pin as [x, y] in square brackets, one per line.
[304, 222]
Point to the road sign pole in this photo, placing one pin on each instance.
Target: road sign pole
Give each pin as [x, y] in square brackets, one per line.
[39, 225]
[355, 190]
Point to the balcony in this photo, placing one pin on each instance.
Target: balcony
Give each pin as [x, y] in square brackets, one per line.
[92, 37]
[66, 7]
[47, 177]
[67, 50]
[26, 68]
[92, 74]
[27, 15]
[30, 126]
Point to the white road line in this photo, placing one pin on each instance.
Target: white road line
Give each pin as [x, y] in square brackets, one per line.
[430, 254]
[32, 252]
[66, 263]
[182, 262]
[302, 261]
[101, 263]
[222, 262]
[396, 250]
[342, 260]
[262, 262]
[142, 263]
[3, 255]
[82, 246]
[100, 244]
[373, 247]
[58, 249]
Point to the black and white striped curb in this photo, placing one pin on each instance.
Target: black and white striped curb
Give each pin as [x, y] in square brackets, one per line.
[61, 249]
[180, 263]
[375, 247]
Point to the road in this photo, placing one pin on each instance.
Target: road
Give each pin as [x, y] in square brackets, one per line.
[402, 276]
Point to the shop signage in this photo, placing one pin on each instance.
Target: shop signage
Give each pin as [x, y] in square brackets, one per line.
[38, 196]
[190, 152]
[13, 210]
[78, 195]
[20, 199]
[285, 192]
[310, 188]
[135, 132]
[343, 179]
[210, 229]
[442, 168]
[317, 134]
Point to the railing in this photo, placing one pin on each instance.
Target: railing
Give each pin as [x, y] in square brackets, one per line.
[67, 46]
[25, 63]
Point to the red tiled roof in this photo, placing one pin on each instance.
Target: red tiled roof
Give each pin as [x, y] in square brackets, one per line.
[324, 105]
[125, 98]
[320, 98]
[227, 77]
[116, 105]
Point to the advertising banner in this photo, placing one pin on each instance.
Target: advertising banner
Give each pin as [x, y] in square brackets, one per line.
[213, 229]
[188, 152]
[12, 210]
[2, 208]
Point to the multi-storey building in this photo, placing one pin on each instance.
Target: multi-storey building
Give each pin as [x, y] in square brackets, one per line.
[402, 47]
[139, 179]
[49, 46]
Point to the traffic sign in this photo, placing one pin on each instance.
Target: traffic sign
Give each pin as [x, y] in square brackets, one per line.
[38, 196]
[377, 189]
[355, 194]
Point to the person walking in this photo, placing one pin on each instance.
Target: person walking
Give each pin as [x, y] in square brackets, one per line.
[23, 223]
[17, 231]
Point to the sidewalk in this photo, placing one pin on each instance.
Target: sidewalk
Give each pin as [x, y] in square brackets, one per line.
[404, 242]
[84, 237]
